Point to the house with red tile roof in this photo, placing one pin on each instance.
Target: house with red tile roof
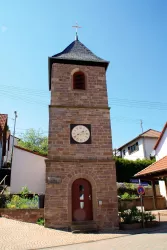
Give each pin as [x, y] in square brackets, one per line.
[160, 154]
[158, 170]
[140, 147]
[3, 135]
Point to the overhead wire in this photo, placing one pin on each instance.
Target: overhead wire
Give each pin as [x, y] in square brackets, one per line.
[137, 103]
[29, 94]
[38, 91]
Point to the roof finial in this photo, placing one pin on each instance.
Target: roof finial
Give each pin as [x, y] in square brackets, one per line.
[76, 34]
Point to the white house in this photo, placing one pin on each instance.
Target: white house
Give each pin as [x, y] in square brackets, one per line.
[161, 158]
[141, 147]
[161, 145]
[158, 170]
[28, 169]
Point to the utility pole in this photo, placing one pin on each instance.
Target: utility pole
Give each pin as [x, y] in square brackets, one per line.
[15, 113]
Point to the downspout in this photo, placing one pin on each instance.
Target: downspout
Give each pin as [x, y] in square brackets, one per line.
[144, 149]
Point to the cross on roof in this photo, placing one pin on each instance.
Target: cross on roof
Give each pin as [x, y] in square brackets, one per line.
[76, 27]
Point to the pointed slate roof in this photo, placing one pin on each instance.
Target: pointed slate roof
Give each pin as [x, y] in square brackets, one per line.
[76, 53]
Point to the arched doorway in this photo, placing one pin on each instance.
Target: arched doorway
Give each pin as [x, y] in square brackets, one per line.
[81, 200]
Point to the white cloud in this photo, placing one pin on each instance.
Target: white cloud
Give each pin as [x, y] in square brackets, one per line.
[3, 28]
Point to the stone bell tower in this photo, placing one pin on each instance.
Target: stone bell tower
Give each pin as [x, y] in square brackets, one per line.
[80, 171]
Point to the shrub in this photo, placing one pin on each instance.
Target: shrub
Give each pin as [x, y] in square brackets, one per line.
[149, 217]
[126, 169]
[41, 221]
[23, 203]
[134, 215]
[127, 196]
[131, 216]
[25, 191]
[129, 188]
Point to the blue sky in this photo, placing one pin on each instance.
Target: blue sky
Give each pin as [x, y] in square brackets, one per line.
[132, 35]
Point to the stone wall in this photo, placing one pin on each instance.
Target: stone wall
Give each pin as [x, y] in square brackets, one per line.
[59, 134]
[62, 92]
[26, 215]
[58, 197]
[69, 162]
[147, 202]
[149, 191]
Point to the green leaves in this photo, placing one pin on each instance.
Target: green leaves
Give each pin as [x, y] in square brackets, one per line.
[127, 196]
[126, 169]
[41, 221]
[133, 215]
[34, 140]
[18, 202]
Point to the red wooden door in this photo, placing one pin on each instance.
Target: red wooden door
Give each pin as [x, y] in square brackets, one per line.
[81, 200]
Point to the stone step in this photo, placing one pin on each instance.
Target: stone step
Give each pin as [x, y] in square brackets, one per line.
[83, 222]
[84, 227]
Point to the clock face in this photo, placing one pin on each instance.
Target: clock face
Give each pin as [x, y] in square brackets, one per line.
[80, 133]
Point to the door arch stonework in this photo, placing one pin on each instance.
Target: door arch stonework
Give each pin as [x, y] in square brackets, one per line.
[94, 199]
[81, 200]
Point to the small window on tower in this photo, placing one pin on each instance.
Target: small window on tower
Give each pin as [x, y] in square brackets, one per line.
[79, 80]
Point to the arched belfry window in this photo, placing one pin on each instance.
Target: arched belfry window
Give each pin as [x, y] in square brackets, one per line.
[79, 80]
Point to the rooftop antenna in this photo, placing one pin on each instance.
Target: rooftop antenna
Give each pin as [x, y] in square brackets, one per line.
[141, 124]
[76, 32]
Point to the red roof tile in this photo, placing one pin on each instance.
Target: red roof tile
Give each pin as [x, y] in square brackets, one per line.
[30, 151]
[155, 167]
[151, 133]
[163, 131]
[3, 120]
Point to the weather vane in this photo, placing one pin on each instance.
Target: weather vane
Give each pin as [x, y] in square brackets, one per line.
[76, 27]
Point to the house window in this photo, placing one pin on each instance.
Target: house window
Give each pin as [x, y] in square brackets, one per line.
[124, 152]
[79, 80]
[133, 148]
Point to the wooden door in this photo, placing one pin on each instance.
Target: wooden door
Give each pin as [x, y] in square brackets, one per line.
[81, 200]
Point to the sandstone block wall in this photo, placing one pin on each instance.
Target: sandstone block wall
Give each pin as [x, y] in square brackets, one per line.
[101, 175]
[69, 162]
[26, 215]
[62, 92]
[59, 133]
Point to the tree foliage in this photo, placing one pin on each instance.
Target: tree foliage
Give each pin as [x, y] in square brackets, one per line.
[126, 169]
[34, 140]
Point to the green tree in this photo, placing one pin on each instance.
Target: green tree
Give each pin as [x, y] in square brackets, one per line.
[34, 140]
[126, 169]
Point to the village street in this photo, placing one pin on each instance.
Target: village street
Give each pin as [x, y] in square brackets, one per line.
[151, 241]
[27, 236]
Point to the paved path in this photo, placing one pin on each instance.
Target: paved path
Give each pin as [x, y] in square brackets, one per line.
[151, 241]
[20, 236]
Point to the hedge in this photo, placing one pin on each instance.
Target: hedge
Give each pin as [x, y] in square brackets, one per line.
[126, 169]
